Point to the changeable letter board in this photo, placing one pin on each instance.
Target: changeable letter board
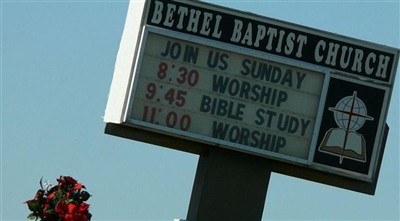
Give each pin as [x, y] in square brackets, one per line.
[207, 74]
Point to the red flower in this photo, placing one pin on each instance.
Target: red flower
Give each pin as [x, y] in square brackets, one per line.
[70, 180]
[83, 208]
[50, 196]
[78, 186]
[72, 211]
[61, 209]
[46, 209]
[76, 212]
[64, 202]
[68, 194]
[77, 217]
[66, 181]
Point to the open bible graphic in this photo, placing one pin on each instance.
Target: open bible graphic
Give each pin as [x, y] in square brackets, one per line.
[350, 114]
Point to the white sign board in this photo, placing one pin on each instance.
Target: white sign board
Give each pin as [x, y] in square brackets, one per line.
[256, 85]
[224, 97]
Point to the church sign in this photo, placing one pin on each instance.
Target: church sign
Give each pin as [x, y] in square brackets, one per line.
[208, 74]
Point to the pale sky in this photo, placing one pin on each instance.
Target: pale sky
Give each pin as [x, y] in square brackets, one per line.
[57, 61]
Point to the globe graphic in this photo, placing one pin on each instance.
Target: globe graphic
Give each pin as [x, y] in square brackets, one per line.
[346, 110]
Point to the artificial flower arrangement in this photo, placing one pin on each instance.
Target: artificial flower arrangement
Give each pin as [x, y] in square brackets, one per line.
[63, 202]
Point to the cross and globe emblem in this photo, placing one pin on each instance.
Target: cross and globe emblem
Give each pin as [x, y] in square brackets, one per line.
[350, 114]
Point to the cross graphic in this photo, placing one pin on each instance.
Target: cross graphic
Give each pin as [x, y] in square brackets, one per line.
[351, 114]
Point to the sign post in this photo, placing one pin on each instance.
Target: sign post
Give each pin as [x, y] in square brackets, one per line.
[229, 186]
[251, 95]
